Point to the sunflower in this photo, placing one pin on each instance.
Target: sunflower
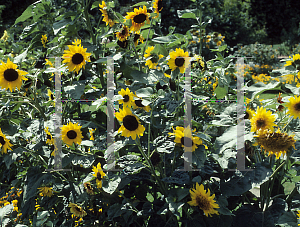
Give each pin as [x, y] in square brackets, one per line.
[89, 189]
[131, 124]
[92, 133]
[157, 6]
[138, 18]
[44, 40]
[50, 140]
[294, 106]
[107, 17]
[51, 96]
[295, 60]
[249, 114]
[122, 44]
[77, 210]
[127, 97]
[152, 58]
[76, 57]
[262, 120]
[46, 191]
[298, 216]
[99, 174]
[184, 137]
[274, 142]
[137, 37]
[203, 200]
[10, 76]
[71, 133]
[4, 143]
[123, 34]
[76, 42]
[138, 104]
[177, 59]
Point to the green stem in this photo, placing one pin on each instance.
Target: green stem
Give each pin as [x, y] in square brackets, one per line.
[162, 186]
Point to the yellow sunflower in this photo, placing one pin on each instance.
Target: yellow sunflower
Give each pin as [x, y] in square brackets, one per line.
[138, 18]
[107, 17]
[298, 216]
[77, 210]
[51, 96]
[295, 60]
[131, 124]
[262, 120]
[71, 133]
[275, 143]
[99, 174]
[127, 97]
[152, 58]
[76, 57]
[76, 42]
[44, 40]
[123, 34]
[294, 106]
[249, 114]
[157, 6]
[187, 141]
[92, 133]
[137, 37]
[89, 189]
[50, 140]
[203, 200]
[46, 191]
[177, 59]
[4, 143]
[10, 76]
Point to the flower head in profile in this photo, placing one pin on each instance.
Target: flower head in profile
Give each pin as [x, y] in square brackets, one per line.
[138, 18]
[92, 133]
[138, 104]
[184, 137]
[294, 106]
[294, 61]
[137, 37]
[203, 200]
[71, 133]
[274, 143]
[44, 40]
[177, 59]
[152, 58]
[49, 140]
[11, 77]
[76, 57]
[51, 97]
[99, 174]
[157, 6]
[78, 211]
[46, 191]
[123, 34]
[4, 143]
[249, 114]
[108, 18]
[262, 119]
[131, 124]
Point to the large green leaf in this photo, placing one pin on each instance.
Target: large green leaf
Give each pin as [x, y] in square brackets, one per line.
[187, 13]
[4, 212]
[25, 15]
[75, 91]
[111, 183]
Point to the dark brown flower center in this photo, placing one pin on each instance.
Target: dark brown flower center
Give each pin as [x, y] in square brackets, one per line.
[124, 32]
[2, 141]
[139, 103]
[202, 202]
[179, 61]
[297, 107]
[186, 141]
[99, 176]
[130, 123]
[139, 18]
[51, 96]
[136, 37]
[71, 134]
[122, 44]
[260, 123]
[77, 208]
[159, 5]
[125, 98]
[10, 75]
[77, 58]
[246, 116]
[48, 137]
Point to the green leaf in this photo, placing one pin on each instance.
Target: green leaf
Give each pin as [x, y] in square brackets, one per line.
[187, 13]
[9, 159]
[159, 49]
[4, 212]
[85, 161]
[110, 183]
[21, 57]
[25, 15]
[221, 92]
[142, 4]
[288, 219]
[96, 4]
[164, 39]
[75, 91]
[60, 24]
[144, 92]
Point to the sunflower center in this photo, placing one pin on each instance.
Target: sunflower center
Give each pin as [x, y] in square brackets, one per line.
[48, 137]
[186, 141]
[10, 75]
[260, 123]
[297, 107]
[124, 32]
[71, 134]
[246, 116]
[125, 98]
[130, 123]
[139, 18]
[136, 37]
[159, 5]
[77, 58]
[99, 176]
[51, 96]
[179, 61]
[77, 209]
[139, 103]
[202, 202]
[2, 141]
